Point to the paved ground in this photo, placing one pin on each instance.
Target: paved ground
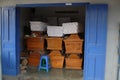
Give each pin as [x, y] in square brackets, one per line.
[53, 74]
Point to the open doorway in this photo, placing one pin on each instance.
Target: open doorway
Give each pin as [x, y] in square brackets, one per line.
[51, 16]
[95, 40]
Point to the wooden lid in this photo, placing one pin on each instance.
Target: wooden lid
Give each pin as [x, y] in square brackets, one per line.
[55, 53]
[50, 38]
[73, 37]
[74, 56]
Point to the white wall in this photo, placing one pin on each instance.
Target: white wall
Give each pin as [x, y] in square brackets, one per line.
[112, 37]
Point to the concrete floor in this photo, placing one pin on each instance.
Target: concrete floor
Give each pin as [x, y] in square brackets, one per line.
[53, 74]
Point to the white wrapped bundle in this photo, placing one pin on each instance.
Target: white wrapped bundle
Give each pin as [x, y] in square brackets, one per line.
[38, 26]
[55, 31]
[70, 28]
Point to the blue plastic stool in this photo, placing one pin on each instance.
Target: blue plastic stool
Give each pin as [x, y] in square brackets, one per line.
[44, 63]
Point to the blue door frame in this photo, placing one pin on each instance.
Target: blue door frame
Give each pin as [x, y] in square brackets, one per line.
[52, 5]
[87, 73]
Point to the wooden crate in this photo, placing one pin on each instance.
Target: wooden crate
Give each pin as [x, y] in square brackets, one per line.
[56, 59]
[73, 62]
[35, 43]
[73, 44]
[54, 43]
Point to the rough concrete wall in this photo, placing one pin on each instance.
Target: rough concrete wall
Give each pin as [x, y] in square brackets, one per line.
[112, 40]
[113, 24]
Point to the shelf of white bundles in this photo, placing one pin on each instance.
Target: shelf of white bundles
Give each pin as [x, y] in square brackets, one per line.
[70, 28]
[38, 26]
[55, 31]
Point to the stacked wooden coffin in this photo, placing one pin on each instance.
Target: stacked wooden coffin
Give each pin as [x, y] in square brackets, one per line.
[73, 48]
[54, 44]
[56, 59]
[73, 45]
[58, 45]
[35, 42]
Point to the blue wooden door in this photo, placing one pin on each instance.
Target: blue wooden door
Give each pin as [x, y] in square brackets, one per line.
[95, 42]
[9, 58]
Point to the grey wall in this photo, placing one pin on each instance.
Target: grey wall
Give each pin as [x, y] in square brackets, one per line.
[24, 21]
[112, 36]
[57, 18]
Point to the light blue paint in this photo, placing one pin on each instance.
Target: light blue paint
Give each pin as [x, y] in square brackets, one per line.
[95, 42]
[9, 59]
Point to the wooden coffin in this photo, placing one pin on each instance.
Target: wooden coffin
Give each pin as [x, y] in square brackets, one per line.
[56, 59]
[54, 43]
[34, 59]
[73, 44]
[35, 43]
[73, 62]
